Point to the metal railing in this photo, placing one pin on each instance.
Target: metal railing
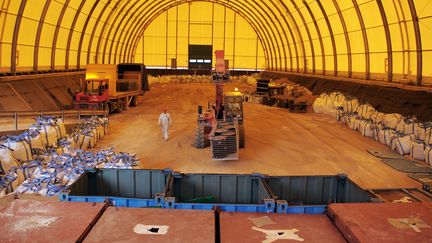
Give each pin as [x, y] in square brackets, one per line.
[16, 120]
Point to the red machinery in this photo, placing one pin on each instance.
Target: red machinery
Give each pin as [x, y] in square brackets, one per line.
[94, 93]
[112, 87]
[222, 128]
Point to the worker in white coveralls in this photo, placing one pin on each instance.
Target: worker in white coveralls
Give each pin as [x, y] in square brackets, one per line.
[165, 122]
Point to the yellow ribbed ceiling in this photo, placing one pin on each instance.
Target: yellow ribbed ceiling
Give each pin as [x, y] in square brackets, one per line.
[369, 39]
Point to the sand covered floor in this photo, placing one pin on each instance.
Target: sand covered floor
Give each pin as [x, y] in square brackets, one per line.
[277, 142]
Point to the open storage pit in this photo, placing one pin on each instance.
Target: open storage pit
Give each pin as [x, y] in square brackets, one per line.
[121, 187]
[153, 225]
[229, 192]
[238, 227]
[383, 222]
[311, 194]
[47, 221]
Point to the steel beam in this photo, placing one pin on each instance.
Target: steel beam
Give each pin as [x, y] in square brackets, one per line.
[115, 34]
[15, 36]
[94, 30]
[109, 33]
[266, 23]
[84, 29]
[347, 39]
[130, 24]
[288, 12]
[365, 39]
[308, 34]
[286, 37]
[417, 33]
[284, 58]
[388, 40]
[330, 29]
[38, 35]
[56, 32]
[318, 33]
[98, 46]
[71, 31]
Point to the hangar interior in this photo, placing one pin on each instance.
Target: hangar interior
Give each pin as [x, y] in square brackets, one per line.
[255, 120]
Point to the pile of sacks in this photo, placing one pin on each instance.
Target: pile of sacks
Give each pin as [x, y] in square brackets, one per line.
[179, 79]
[89, 132]
[54, 172]
[22, 156]
[406, 135]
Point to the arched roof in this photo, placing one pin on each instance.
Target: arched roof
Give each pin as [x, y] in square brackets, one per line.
[370, 39]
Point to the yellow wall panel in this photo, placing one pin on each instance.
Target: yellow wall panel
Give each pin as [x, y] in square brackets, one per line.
[225, 30]
[53, 12]
[427, 63]
[28, 34]
[201, 30]
[14, 6]
[9, 28]
[47, 35]
[33, 11]
[5, 56]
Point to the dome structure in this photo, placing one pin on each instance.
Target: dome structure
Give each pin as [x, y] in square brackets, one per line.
[364, 39]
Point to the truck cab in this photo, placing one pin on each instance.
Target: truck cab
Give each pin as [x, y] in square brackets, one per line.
[233, 107]
[93, 93]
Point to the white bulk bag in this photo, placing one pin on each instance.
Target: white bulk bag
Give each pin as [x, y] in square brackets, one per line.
[35, 140]
[340, 114]
[21, 149]
[317, 105]
[18, 174]
[406, 125]
[345, 117]
[365, 111]
[392, 120]
[100, 131]
[105, 125]
[6, 159]
[417, 150]
[409, 126]
[338, 99]
[94, 137]
[49, 135]
[85, 141]
[366, 129]
[60, 128]
[377, 117]
[428, 155]
[328, 107]
[385, 136]
[428, 136]
[66, 145]
[401, 144]
[350, 105]
[421, 129]
[353, 122]
[376, 128]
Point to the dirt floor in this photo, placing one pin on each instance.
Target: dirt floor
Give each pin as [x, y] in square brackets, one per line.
[277, 142]
[407, 100]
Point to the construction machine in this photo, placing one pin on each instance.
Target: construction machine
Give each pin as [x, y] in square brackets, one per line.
[221, 125]
[111, 87]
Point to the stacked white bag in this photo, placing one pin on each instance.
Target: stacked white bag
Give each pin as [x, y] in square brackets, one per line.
[47, 136]
[89, 131]
[405, 135]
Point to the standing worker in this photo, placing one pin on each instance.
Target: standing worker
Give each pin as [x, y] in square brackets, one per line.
[165, 122]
